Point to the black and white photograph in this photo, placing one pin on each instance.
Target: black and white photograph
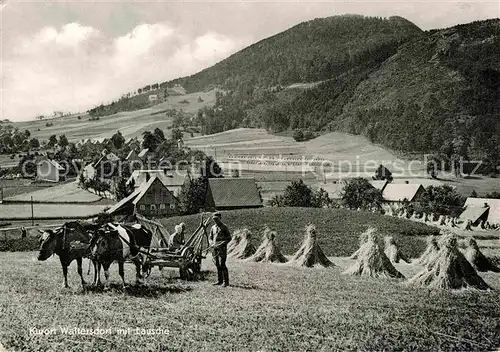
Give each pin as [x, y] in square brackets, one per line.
[249, 175]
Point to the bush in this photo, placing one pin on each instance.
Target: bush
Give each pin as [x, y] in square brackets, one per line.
[303, 135]
[359, 193]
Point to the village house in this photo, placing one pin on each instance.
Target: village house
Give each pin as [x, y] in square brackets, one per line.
[396, 193]
[174, 180]
[102, 167]
[49, 170]
[133, 158]
[232, 193]
[153, 98]
[151, 199]
[481, 209]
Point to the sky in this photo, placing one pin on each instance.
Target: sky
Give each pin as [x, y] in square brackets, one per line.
[73, 55]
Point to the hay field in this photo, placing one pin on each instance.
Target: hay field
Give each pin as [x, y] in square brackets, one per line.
[49, 211]
[61, 193]
[338, 229]
[129, 123]
[267, 308]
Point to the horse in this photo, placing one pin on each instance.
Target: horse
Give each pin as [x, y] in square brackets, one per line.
[120, 242]
[70, 242]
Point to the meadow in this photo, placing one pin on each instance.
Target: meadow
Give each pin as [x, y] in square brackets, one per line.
[267, 308]
[49, 211]
[129, 123]
[338, 229]
[58, 193]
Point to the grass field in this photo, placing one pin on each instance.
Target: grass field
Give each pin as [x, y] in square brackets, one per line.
[60, 193]
[338, 229]
[267, 308]
[49, 211]
[11, 188]
[130, 123]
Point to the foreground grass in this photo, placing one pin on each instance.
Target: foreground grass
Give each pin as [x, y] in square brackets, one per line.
[268, 308]
[338, 229]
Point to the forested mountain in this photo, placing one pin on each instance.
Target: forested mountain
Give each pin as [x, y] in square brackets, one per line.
[311, 51]
[412, 91]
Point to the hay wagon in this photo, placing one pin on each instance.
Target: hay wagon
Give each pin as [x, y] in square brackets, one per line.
[188, 258]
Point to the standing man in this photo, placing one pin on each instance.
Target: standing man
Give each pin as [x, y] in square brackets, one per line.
[219, 238]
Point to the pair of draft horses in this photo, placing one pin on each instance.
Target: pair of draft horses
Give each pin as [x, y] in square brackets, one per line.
[103, 245]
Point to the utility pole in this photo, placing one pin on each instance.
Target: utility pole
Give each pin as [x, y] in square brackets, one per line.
[32, 214]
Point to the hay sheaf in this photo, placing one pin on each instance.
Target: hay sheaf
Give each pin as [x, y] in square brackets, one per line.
[310, 254]
[392, 251]
[362, 240]
[449, 269]
[268, 251]
[244, 248]
[478, 260]
[430, 252]
[235, 240]
[372, 261]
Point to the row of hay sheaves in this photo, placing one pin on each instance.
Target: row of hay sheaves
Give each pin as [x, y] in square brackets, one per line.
[446, 266]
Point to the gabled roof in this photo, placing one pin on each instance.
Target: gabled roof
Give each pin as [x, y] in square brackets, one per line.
[398, 192]
[132, 154]
[124, 201]
[45, 159]
[143, 153]
[493, 204]
[334, 190]
[169, 178]
[112, 157]
[379, 184]
[473, 213]
[234, 192]
[136, 196]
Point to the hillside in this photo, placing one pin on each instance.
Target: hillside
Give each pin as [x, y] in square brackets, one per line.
[414, 92]
[310, 51]
[440, 91]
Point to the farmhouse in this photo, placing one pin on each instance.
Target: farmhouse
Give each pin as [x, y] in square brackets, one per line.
[133, 158]
[133, 143]
[396, 193]
[152, 199]
[102, 167]
[173, 180]
[232, 193]
[153, 97]
[481, 209]
[49, 170]
[144, 154]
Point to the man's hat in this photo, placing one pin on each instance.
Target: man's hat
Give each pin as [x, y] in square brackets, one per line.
[216, 215]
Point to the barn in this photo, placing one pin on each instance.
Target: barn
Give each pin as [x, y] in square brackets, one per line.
[477, 209]
[232, 193]
[151, 199]
[396, 193]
